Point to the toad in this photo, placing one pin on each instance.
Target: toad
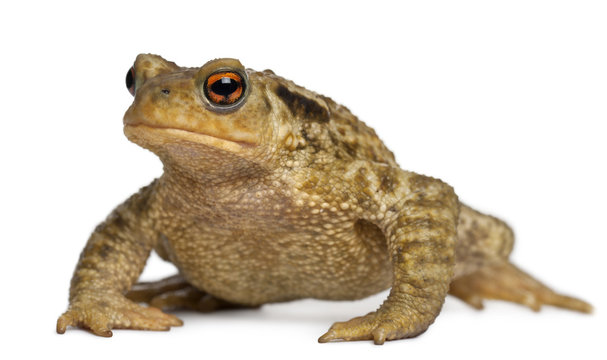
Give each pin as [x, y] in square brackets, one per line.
[270, 193]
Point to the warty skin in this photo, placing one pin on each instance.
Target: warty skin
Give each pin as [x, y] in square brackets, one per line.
[282, 194]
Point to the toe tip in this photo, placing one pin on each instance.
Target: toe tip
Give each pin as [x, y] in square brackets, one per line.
[328, 336]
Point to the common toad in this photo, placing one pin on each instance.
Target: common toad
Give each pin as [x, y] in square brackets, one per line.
[270, 193]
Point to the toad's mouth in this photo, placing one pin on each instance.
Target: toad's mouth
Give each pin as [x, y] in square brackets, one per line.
[146, 134]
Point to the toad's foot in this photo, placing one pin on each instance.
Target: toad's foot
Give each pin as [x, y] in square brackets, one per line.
[375, 326]
[176, 293]
[504, 281]
[102, 312]
[146, 291]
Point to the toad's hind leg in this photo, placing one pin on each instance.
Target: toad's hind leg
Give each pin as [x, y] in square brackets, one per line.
[175, 292]
[484, 272]
[504, 281]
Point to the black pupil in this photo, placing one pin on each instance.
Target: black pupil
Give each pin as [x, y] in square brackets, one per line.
[225, 86]
[129, 79]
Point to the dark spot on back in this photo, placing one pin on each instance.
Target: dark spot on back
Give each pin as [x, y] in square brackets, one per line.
[388, 180]
[386, 184]
[300, 105]
[304, 134]
[119, 221]
[104, 251]
[350, 148]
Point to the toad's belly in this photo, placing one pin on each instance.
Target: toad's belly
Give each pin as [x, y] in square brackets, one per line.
[256, 267]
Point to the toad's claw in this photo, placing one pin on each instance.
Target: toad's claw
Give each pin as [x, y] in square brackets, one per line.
[369, 327]
[101, 317]
[71, 318]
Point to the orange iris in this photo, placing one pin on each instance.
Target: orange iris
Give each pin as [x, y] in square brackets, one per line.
[224, 88]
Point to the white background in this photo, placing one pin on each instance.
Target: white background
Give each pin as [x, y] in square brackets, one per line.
[504, 100]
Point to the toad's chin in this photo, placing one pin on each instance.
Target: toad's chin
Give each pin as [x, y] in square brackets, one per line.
[153, 136]
[203, 157]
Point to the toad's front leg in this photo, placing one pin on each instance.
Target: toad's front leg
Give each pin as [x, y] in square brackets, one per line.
[109, 264]
[421, 233]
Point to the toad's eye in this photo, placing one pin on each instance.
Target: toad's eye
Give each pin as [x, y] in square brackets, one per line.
[224, 88]
[130, 80]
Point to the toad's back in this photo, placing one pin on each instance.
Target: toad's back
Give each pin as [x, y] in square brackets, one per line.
[326, 126]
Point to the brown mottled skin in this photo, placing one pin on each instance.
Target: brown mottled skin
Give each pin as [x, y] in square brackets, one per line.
[285, 196]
